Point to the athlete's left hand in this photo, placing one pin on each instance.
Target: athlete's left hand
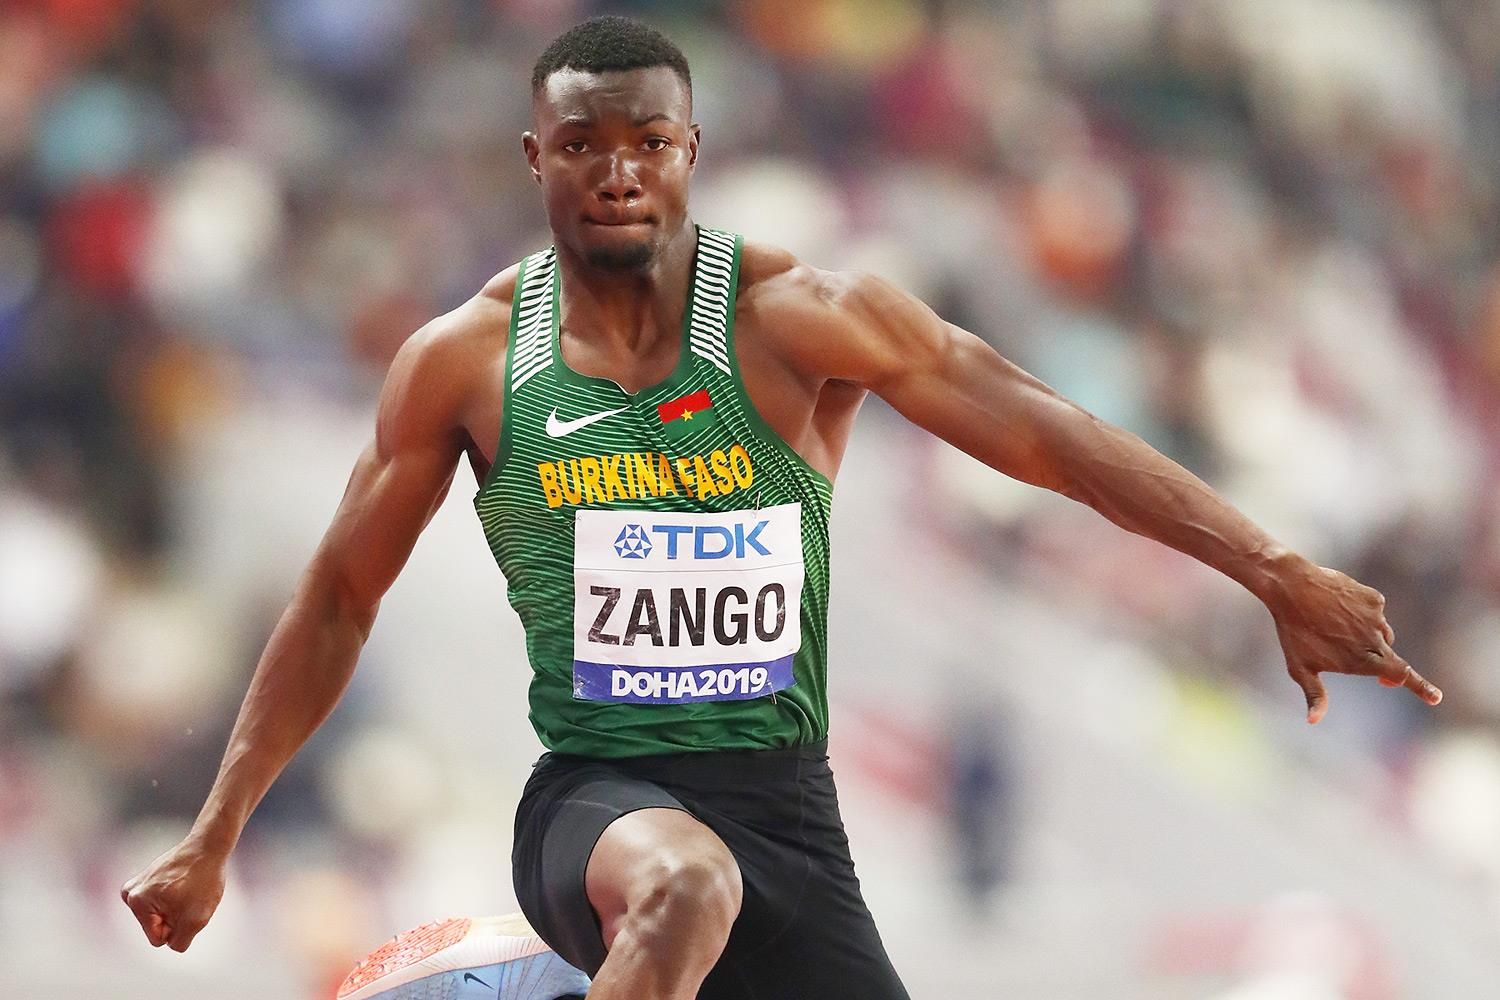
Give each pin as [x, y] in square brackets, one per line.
[1328, 621]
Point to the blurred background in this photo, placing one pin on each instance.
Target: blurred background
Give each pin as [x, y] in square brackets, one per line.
[1259, 234]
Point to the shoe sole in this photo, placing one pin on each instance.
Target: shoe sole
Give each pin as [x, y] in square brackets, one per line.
[442, 946]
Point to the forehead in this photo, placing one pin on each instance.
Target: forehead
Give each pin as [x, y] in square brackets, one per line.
[634, 95]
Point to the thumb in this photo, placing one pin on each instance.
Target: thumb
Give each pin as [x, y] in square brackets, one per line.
[1316, 695]
[157, 929]
[155, 926]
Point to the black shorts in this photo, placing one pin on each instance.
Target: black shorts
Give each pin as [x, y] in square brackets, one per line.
[803, 933]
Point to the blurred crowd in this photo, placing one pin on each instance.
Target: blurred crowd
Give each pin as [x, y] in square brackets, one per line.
[1261, 235]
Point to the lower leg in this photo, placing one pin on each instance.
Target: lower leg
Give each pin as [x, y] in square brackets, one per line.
[663, 947]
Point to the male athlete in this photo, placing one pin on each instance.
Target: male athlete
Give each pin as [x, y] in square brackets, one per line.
[655, 413]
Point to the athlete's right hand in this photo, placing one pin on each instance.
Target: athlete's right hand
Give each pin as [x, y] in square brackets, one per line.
[176, 894]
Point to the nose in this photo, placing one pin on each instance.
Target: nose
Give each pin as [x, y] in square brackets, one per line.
[619, 182]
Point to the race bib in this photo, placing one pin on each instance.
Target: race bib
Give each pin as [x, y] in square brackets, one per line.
[671, 608]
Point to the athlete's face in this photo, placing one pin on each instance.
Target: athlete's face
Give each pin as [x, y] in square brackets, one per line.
[613, 153]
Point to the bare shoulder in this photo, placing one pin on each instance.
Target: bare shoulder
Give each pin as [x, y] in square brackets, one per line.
[438, 371]
[774, 282]
[448, 345]
[473, 326]
[818, 320]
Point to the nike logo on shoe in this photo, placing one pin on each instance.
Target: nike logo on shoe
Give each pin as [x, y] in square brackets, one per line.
[562, 428]
[469, 975]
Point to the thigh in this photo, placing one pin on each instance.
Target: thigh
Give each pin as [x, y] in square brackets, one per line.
[562, 816]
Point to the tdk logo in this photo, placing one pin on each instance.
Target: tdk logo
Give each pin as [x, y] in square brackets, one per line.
[708, 541]
[632, 542]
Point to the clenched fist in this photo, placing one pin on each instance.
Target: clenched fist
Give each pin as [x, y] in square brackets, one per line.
[176, 894]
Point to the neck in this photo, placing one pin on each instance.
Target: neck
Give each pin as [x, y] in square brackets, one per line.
[633, 309]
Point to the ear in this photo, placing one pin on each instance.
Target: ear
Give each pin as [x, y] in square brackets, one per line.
[695, 135]
[533, 150]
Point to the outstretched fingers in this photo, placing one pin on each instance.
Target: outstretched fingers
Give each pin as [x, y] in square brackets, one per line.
[1396, 672]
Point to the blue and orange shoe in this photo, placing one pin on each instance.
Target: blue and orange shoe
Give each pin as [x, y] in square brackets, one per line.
[480, 958]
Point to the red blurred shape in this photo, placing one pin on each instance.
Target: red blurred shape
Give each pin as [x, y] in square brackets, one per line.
[95, 235]
[86, 25]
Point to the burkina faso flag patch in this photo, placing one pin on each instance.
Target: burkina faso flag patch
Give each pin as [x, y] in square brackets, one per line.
[686, 414]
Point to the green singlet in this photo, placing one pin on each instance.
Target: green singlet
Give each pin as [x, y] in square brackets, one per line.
[667, 551]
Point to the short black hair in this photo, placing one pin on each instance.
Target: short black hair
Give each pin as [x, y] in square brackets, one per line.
[608, 43]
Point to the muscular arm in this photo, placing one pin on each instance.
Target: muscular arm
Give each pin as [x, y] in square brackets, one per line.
[397, 485]
[951, 383]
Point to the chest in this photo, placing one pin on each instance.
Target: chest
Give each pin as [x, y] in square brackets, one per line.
[786, 402]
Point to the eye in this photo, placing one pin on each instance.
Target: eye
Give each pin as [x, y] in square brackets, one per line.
[657, 142]
[576, 146]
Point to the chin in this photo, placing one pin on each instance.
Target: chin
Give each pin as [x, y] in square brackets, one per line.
[621, 257]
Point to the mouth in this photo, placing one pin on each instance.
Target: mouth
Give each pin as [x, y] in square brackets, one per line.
[622, 222]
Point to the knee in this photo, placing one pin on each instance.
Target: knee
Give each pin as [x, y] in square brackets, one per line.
[695, 892]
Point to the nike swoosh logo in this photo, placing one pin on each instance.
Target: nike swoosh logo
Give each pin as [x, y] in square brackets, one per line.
[562, 428]
[469, 975]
